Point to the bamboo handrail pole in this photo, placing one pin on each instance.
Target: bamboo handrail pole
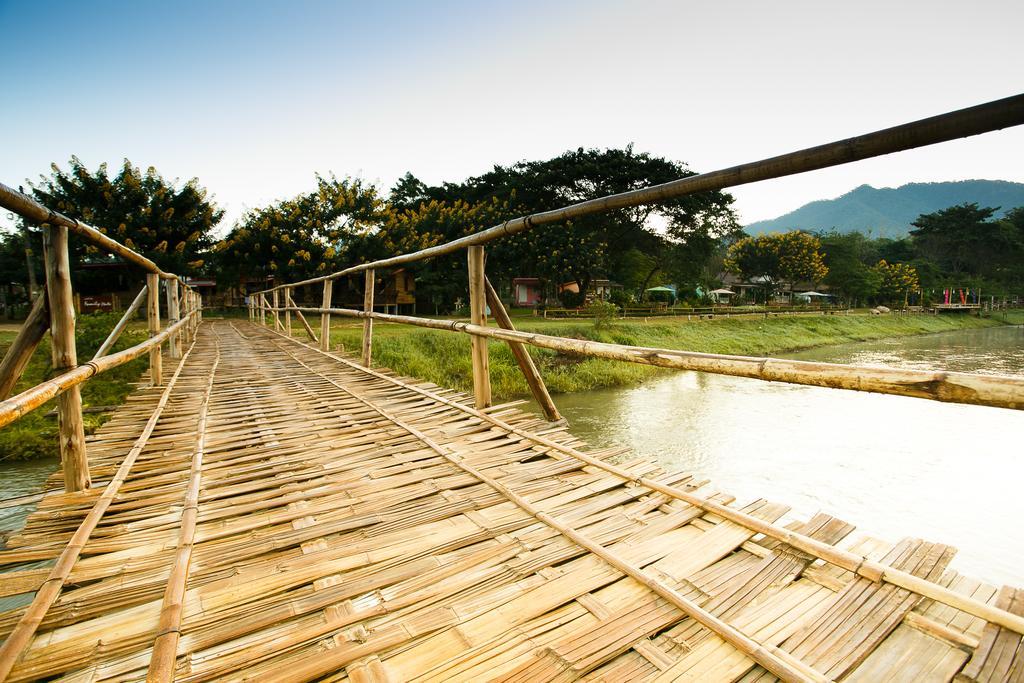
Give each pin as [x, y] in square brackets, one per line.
[19, 405]
[369, 282]
[24, 345]
[121, 324]
[288, 312]
[325, 318]
[477, 312]
[153, 321]
[1000, 391]
[173, 314]
[785, 666]
[165, 646]
[26, 627]
[275, 296]
[983, 118]
[29, 208]
[526, 365]
[302, 319]
[71, 427]
[845, 559]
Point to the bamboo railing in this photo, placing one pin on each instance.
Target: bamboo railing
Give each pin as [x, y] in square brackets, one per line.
[997, 391]
[968, 388]
[54, 311]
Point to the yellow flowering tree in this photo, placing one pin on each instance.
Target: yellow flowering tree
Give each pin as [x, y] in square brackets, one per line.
[777, 258]
[300, 237]
[897, 280]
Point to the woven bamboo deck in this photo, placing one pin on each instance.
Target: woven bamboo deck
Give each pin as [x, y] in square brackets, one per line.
[293, 516]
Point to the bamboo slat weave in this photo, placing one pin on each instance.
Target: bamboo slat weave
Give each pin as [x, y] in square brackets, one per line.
[291, 516]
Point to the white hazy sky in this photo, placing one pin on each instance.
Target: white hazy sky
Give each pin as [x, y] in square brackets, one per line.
[253, 98]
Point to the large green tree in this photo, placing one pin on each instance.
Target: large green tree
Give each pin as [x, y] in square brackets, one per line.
[965, 240]
[168, 222]
[676, 236]
[847, 256]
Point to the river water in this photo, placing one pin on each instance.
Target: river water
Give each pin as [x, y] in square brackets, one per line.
[894, 466]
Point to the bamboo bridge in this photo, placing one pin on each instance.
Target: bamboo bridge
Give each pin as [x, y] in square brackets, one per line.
[268, 509]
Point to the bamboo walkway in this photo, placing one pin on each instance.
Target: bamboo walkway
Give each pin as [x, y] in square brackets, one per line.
[275, 513]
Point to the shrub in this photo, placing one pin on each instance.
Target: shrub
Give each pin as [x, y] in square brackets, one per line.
[603, 312]
[572, 299]
[620, 298]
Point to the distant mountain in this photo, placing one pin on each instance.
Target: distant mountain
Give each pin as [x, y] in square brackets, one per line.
[887, 211]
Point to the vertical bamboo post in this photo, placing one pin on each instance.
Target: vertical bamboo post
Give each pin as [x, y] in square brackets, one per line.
[287, 311]
[275, 301]
[173, 316]
[325, 318]
[153, 316]
[263, 308]
[477, 314]
[65, 357]
[252, 316]
[522, 356]
[368, 322]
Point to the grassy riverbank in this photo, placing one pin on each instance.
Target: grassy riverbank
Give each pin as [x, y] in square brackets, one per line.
[35, 435]
[443, 357]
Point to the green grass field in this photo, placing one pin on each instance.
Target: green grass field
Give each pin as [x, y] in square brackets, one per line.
[443, 357]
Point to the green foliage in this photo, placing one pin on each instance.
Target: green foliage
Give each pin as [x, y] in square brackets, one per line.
[896, 280]
[628, 244]
[571, 299]
[300, 237]
[849, 276]
[172, 225]
[962, 238]
[778, 257]
[604, 313]
[35, 435]
[621, 298]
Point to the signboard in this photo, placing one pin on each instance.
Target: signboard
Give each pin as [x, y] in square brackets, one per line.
[97, 303]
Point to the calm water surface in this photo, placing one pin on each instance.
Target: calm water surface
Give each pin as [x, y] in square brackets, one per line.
[894, 466]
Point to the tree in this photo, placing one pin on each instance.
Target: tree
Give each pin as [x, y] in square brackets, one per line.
[777, 258]
[964, 240]
[849, 276]
[583, 248]
[439, 281]
[169, 224]
[896, 280]
[307, 235]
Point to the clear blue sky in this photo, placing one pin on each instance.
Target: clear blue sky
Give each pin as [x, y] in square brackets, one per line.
[254, 97]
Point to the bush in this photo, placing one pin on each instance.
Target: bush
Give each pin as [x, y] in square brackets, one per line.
[572, 299]
[620, 298]
[603, 312]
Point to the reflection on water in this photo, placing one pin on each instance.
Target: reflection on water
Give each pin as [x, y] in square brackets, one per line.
[21, 479]
[894, 466]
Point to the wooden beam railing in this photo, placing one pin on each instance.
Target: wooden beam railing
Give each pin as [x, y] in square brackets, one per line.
[953, 387]
[55, 312]
[1001, 391]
